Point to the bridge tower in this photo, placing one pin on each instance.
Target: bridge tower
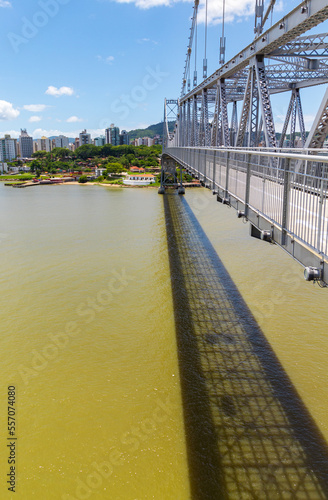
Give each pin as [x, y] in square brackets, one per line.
[169, 174]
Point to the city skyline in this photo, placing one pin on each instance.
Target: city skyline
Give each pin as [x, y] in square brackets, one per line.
[68, 68]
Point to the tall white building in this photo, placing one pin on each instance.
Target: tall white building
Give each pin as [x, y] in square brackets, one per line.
[84, 138]
[44, 144]
[61, 141]
[147, 141]
[26, 144]
[8, 148]
[100, 141]
[112, 135]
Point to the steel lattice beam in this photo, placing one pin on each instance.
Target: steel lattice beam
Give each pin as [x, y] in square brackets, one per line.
[305, 16]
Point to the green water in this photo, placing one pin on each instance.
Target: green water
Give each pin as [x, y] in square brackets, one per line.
[88, 337]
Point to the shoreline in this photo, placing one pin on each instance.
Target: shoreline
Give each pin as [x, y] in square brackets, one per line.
[75, 183]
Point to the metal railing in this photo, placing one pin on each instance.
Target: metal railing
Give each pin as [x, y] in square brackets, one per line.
[282, 191]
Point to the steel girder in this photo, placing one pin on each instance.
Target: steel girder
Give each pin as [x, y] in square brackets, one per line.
[256, 98]
[319, 130]
[302, 62]
[194, 122]
[171, 112]
[204, 132]
[224, 115]
[294, 108]
[245, 112]
[188, 124]
[234, 123]
[253, 111]
[215, 122]
[264, 99]
[306, 46]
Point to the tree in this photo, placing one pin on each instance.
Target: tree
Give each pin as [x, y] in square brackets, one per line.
[88, 151]
[40, 154]
[60, 153]
[35, 166]
[114, 168]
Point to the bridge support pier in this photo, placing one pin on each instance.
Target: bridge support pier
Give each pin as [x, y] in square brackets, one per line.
[169, 175]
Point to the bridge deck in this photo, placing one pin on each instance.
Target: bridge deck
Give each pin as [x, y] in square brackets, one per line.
[248, 434]
[284, 193]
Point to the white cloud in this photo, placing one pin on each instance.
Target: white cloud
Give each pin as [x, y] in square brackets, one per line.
[108, 59]
[34, 119]
[39, 132]
[74, 119]
[5, 3]
[58, 92]
[234, 9]
[35, 108]
[14, 134]
[7, 111]
[147, 4]
[147, 40]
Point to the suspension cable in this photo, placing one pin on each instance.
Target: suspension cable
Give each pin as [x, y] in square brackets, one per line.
[187, 69]
[205, 58]
[222, 39]
[195, 72]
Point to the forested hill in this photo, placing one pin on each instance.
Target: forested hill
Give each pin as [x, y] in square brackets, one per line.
[150, 131]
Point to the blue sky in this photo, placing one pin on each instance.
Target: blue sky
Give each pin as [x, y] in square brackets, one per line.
[67, 65]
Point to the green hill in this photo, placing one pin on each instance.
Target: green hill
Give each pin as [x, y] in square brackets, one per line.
[150, 131]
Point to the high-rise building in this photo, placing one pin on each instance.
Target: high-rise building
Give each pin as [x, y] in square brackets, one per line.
[44, 144]
[26, 144]
[112, 135]
[147, 141]
[124, 137]
[84, 138]
[100, 141]
[61, 141]
[77, 142]
[115, 136]
[8, 148]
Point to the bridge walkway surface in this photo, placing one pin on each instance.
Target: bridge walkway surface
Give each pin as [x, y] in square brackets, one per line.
[248, 434]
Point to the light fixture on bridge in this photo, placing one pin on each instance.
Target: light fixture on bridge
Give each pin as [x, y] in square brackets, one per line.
[312, 273]
[266, 236]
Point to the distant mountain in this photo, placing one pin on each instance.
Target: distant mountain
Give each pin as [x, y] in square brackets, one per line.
[150, 131]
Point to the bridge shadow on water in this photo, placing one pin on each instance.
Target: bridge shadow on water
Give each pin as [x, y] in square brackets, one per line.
[248, 434]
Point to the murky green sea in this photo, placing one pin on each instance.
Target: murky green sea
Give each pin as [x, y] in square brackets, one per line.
[88, 339]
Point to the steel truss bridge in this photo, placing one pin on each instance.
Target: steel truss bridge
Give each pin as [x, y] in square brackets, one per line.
[281, 191]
